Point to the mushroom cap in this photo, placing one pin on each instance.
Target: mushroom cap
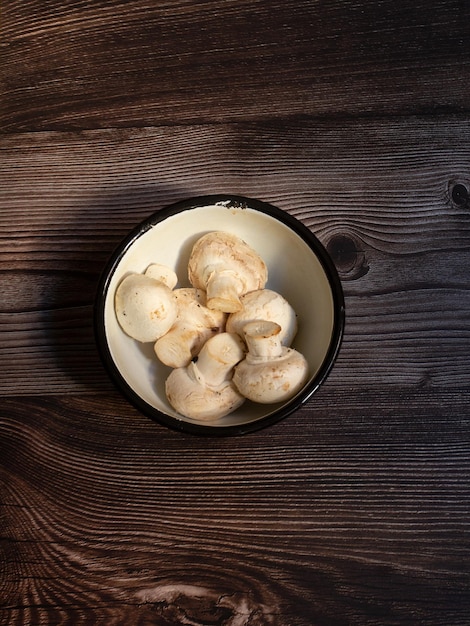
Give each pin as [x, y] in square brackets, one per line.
[226, 267]
[145, 308]
[163, 274]
[267, 381]
[265, 304]
[196, 401]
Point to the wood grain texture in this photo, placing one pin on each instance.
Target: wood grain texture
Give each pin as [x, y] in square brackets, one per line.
[347, 517]
[74, 65]
[352, 116]
[379, 195]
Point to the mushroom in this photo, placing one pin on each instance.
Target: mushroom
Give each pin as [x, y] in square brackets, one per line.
[270, 371]
[225, 267]
[145, 308]
[194, 325]
[265, 304]
[163, 274]
[204, 390]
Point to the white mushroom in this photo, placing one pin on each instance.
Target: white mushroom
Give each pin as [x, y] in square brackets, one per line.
[270, 372]
[204, 390]
[225, 267]
[194, 325]
[163, 274]
[145, 308]
[265, 304]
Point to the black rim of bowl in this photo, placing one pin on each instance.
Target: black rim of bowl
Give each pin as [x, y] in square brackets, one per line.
[226, 201]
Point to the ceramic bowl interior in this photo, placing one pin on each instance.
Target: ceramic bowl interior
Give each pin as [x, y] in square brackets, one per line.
[299, 268]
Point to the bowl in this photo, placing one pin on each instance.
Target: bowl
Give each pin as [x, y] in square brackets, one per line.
[299, 268]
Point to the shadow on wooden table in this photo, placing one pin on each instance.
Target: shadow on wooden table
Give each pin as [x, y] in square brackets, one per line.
[65, 308]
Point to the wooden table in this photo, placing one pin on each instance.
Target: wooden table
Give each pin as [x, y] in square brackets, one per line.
[352, 116]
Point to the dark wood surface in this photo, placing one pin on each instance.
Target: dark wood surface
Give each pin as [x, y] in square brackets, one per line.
[351, 116]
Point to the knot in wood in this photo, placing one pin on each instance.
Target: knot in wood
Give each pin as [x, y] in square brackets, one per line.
[198, 605]
[460, 195]
[348, 256]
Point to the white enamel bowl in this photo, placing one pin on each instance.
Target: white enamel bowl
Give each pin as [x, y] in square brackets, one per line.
[299, 268]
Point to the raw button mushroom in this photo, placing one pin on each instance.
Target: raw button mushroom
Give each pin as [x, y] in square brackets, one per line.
[163, 274]
[268, 305]
[145, 308]
[225, 267]
[270, 372]
[204, 390]
[194, 325]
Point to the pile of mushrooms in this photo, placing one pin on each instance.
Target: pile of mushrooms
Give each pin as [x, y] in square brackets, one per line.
[227, 338]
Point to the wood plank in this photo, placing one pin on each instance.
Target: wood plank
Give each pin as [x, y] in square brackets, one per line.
[328, 516]
[110, 63]
[351, 116]
[380, 195]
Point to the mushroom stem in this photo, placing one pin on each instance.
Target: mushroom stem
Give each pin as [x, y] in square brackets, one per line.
[217, 358]
[194, 325]
[223, 291]
[263, 340]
